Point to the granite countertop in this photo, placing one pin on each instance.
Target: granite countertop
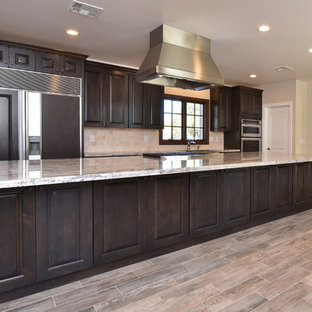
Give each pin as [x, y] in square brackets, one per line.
[43, 172]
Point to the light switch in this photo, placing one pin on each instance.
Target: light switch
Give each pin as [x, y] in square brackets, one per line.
[91, 138]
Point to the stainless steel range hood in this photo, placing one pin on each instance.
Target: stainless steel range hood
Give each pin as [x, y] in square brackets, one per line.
[179, 59]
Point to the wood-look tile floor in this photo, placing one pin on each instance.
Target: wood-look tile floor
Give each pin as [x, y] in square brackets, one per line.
[262, 269]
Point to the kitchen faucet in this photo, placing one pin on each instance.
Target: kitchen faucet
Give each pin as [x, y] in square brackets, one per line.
[189, 142]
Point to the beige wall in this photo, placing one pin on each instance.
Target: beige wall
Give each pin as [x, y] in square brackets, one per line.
[101, 141]
[299, 93]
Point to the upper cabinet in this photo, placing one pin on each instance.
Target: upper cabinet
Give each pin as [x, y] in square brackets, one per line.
[249, 101]
[4, 56]
[19, 56]
[221, 113]
[114, 99]
[22, 58]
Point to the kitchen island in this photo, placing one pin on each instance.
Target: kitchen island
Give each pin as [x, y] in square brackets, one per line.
[63, 216]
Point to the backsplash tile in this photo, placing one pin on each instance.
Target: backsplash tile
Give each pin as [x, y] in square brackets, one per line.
[111, 141]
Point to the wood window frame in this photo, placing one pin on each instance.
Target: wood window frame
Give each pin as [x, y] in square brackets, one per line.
[206, 120]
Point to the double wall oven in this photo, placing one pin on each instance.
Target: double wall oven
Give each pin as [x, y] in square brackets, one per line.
[251, 135]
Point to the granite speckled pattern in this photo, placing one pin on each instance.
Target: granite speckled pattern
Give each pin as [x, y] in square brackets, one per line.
[43, 172]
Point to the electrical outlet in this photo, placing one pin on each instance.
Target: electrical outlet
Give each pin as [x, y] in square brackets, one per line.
[91, 138]
[145, 138]
[217, 139]
[211, 139]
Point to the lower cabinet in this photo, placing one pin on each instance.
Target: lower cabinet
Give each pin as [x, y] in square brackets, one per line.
[262, 193]
[205, 203]
[17, 238]
[236, 197]
[283, 189]
[167, 210]
[64, 229]
[119, 219]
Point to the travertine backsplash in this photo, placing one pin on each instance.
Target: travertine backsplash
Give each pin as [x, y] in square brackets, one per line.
[101, 141]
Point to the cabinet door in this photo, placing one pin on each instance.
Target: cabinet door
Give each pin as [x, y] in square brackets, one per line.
[299, 185]
[283, 189]
[22, 59]
[4, 56]
[93, 97]
[119, 219]
[154, 97]
[47, 63]
[71, 66]
[257, 105]
[8, 125]
[64, 229]
[17, 238]
[236, 197]
[246, 103]
[308, 183]
[262, 193]
[221, 113]
[168, 209]
[205, 203]
[115, 99]
[137, 105]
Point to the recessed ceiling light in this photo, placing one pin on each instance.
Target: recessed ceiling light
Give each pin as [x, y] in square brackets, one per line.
[264, 28]
[310, 50]
[253, 76]
[72, 32]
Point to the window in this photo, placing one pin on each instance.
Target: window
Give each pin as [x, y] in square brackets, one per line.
[184, 119]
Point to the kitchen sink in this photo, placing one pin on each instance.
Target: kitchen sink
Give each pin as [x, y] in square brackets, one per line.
[182, 153]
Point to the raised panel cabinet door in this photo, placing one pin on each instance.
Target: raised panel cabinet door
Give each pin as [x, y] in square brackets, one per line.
[17, 238]
[93, 97]
[283, 189]
[308, 183]
[137, 105]
[299, 180]
[4, 56]
[71, 66]
[205, 203]
[115, 99]
[154, 98]
[8, 125]
[48, 63]
[119, 219]
[246, 104]
[22, 59]
[236, 197]
[168, 210]
[257, 105]
[225, 117]
[64, 221]
[262, 193]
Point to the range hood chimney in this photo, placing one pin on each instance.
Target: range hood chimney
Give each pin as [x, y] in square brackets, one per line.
[179, 59]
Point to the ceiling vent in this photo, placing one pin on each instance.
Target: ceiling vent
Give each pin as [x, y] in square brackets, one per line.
[85, 9]
[283, 68]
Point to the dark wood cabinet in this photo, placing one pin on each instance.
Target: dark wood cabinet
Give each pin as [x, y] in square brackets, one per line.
[262, 193]
[283, 189]
[48, 62]
[4, 56]
[153, 95]
[119, 219]
[302, 186]
[115, 98]
[167, 210]
[8, 125]
[22, 58]
[71, 66]
[205, 203]
[221, 116]
[93, 97]
[137, 104]
[64, 229]
[17, 238]
[236, 197]
[250, 102]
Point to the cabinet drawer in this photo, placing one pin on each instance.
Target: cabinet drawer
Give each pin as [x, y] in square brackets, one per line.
[22, 59]
[47, 63]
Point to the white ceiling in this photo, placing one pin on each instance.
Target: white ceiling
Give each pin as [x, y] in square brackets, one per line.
[120, 34]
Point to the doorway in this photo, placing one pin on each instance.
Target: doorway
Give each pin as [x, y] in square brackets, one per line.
[277, 127]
